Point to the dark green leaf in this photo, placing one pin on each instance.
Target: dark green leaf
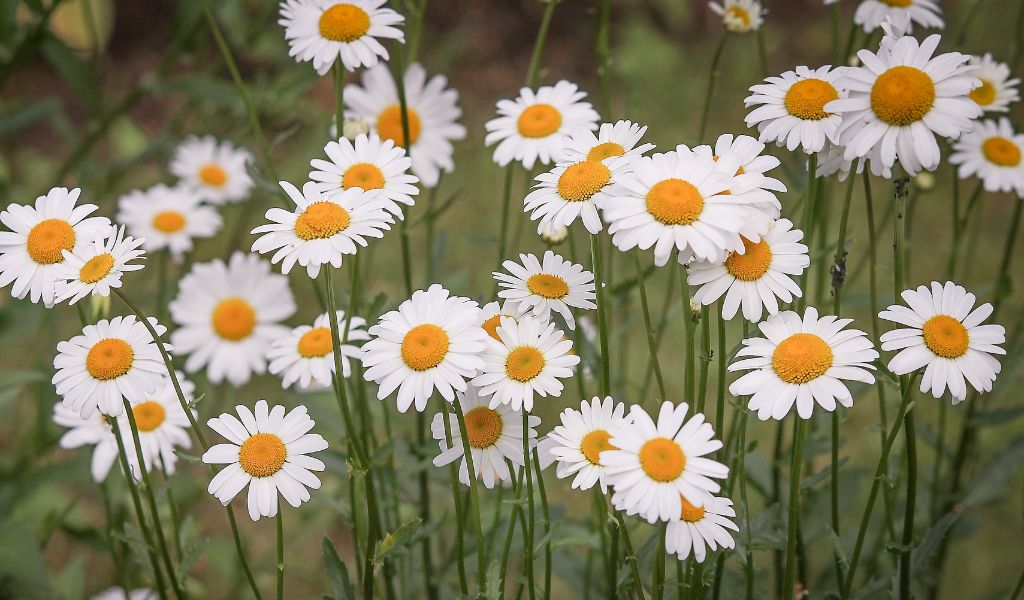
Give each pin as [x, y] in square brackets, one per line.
[337, 573]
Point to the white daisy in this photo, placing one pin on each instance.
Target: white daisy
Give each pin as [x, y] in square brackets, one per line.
[432, 342]
[944, 335]
[700, 528]
[322, 228]
[739, 16]
[871, 14]
[491, 314]
[553, 235]
[656, 464]
[997, 91]
[324, 31]
[92, 431]
[109, 361]
[96, 269]
[992, 152]
[572, 191]
[163, 425]
[32, 250]
[167, 217]
[268, 451]
[832, 161]
[790, 108]
[802, 361]
[216, 171]
[556, 284]
[900, 99]
[306, 355]
[756, 279]
[370, 164]
[118, 593]
[581, 438]
[534, 125]
[228, 315]
[621, 138]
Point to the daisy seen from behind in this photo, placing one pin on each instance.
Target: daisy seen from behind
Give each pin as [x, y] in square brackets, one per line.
[577, 443]
[216, 171]
[739, 16]
[552, 285]
[306, 355]
[997, 90]
[572, 191]
[96, 269]
[790, 108]
[621, 138]
[992, 153]
[698, 529]
[167, 217]
[345, 31]
[871, 14]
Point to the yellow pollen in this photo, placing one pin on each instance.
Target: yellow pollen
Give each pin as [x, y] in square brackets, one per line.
[316, 343]
[169, 221]
[899, 3]
[96, 268]
[321, 220]
[594, 443]
[604, 150]
[262, 455]
[945, 336]
[691, 513]
[1001, 151]
[109, 358]
[213, 175]
[752, 264]
[149, 415]
[344, 23]
[524, 363]
[363, 175]
[801, 357]
[984, 94]
[902, 95]
[547, 286]
[424, 347]
[48, 238]
[582, 180]
[539, 120]
[491, 325]
[234, 319]
[806, 99]
[739, 13]
[662, 459]
[389, 125]
[483, 427]
[674, 202]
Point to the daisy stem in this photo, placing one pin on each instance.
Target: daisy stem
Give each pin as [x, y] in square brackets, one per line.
[748, 567]
[762, 53]
[659, 563]
[705, 356]
[712, 77]
[631, 556]
[529, 533]
[474, 498]
[602, 50]
[280, 554]
[175, 522]
[424, 492]
[851, 39]
[688, 376]
[789, 581]
[545, 515]
[807, 224]
[1003, 285]
[652, 346]
[120, 573]
[720, 392]
[960, 224]
[835, 33]
[505, 204]
[403, 106]
[538, 44]
[609, 560]
[602, 317]
[516, 509]
[460, 551]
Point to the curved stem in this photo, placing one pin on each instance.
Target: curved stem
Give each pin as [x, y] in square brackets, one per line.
[528, 534]
[280, 554]
[652, 346]
[460, 546]
[796, 464]
[545, 515]
[474, 499]
[712, 77]
[658, 587]
[538, 45]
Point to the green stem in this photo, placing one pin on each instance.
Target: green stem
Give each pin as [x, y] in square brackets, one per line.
[1003, 287]
[513, 516]
[545, 515]
[474, 499]
[712, 77]
[762, 54]
[748, 567]
[460, 550]
[610, 560]
[789, 581]
[112, 542]
[690, 365]
[807, 225]
[631, 556]
[538, 45]
[602, 317]
[404, 225]
[658, 590]
[280, 554]
[960, 225]
[652, 346]
[175, 521]
[528, 537]
[602, 50]
[705, 357]
[506, 201]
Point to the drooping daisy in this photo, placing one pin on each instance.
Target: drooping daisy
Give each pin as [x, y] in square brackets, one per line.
[572, 191]
[700, 528]
[900, 99]
[325, 31]
[268, 451]
[581, 438]
[945, 336]
[493, 312]
[802, 361]
[556, 284]
[167, 217]
[791, 108]
[495, 435]
[997, 91]
[33, 249]
[109, 361]
[92, 431]
[163, 425]
[534, 125]
[97, 268]
[306, 355]
[992, 152]
[655, 464]
[739, 16]
[228, 315]
[431, 342]
[871, 14]
[433, 115]
[621, 138]
[216, 171]
[756, 279]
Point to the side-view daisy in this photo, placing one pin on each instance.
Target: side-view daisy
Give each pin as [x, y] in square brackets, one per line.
[267, 450]
[739, 16]
[572, 191]
[802, 361]
[621, 138]
[945, 336]
[216, 171]
[871, 14]
[492, 313]
[556, 284]
[167, 217]
[306, 355]
[791, 108]
[119, 593]
[701, 528]
[163, 426]
[992, 152]
[93, 431]
[325, 31]
[581, 438]
[95, 269]
[997, 90]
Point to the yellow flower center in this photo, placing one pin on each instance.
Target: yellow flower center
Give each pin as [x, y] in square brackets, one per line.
[902, 95]
[582, 180]
[662, 459]
[691, 513]
[262, 455]
[149, 415]
[491, 325]
[96, 268]
[1001, 151]
[739, 13]
[344, 23]
[234, 319]
[389, 125]
[801, 357]
[483, 427]
[984, 94]
[594, 443]
[539, 120]
[169, 221]
[674, 202]
[48, 238]
[109, 358]
[547, 286]
[604, 150]
[213, 175]
[806, 99]
[316, 343]
[321, 220]
[363, 175]
[753, 263]
[899, 3]
[424, 347]
[945, 336]
[524, 363]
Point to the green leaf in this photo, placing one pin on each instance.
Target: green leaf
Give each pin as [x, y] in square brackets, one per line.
[337, 573]
[837, 549]
[189, 558]
[396, 541]
[72, 69]
[492, 589]
[931, 540]
[997, 416]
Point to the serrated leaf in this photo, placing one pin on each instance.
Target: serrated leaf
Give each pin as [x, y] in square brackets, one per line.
[397, 540]
[189, 558]
[337, 572]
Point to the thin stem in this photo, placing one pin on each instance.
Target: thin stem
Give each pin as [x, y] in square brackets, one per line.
[538, 44]
[115, 555]
[720, 392]
[602, 316]
[705, 357]
[474, 499]
[658, 590]
[712, 78]
[453, 470]
[545, 515]
[506, 201]
[652, 346]
[601, 519]
[407, 145]
[748, 567]
[602, 50]
[1003, 287]
[807, 224]
[960, 225]
[280, 554]
[517, 509]
[690, 365]
[175, 522]
[528, 537]
[631, 557]
[796, 464]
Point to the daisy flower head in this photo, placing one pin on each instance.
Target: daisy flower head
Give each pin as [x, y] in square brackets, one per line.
[621, 138]
[370, 164]
[900, 99]
[162, 424]
[992, 152]
[997, 91]
[95, 269]
[581, 438]
[552, 285]
[871, 14]
[32, 251]
[739, 16]
[572, 191]
[756, 279]
[268, 450]
[119, 593]
[92, 431]
[698, 529]
[109, 361]
[494, 434]
[791, 108]
[322, 228]
[492, 313]
[832, 160]
[534, 125]
[944, 335]
[656, 464]
[167, 217]
[306, 355]
[228, 314]
[326, 31]
[803, 361]
[433, 116]
[552, 235]
[432, 342]
[216, 171]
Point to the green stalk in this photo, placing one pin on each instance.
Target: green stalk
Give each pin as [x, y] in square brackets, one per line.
[602, 50]
[631, 556]
[690, 365]
[528, 537]
[175, 521]
[659, 563]
[120, 573]
[705, 357]
[652, 346]
[610, 560]
[506, 202]
[602, 317]
[807, 225]
[1003, 287]
[516, 510]
[789, 581]
[712, 77]
[748, 568]
[545, 515]
[460, 550]
[474, 499]
[720, 392]
[407, 144]
[280, 554]
[538, 45]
